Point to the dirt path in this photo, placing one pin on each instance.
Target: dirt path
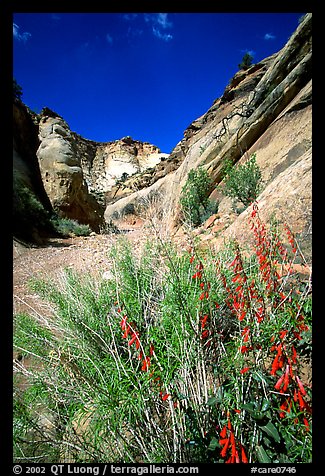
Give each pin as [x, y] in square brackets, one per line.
[83, 254]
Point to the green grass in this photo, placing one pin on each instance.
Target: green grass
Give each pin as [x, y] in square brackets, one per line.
[168, 361]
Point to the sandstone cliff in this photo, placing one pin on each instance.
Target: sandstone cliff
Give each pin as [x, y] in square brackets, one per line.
[265, 109]
[77, 173]
[27, 180]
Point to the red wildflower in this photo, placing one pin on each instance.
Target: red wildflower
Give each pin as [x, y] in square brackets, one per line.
[225, 448]
[205, 334]
[243, 314]
[279, 382]
[243, 454]
[126, 332]
[245, 369]
[245, 334]
[223, 432]
[146, 364]
[300, 385]
[164, 396]
[286, 378]
[133, 339]
[123, 322]
[244, 349]
[306, 423]
[283, 334]
[204, 321]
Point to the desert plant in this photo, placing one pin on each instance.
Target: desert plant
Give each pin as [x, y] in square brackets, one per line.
[194, 198]
[180, 357]
[244, 181]
[17, 90]
[69, 227]
[246, 61]
[29, 214]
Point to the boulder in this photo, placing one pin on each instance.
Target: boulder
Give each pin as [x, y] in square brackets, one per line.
[62, 173]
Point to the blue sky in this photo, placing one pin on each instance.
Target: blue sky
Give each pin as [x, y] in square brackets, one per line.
[146, 75]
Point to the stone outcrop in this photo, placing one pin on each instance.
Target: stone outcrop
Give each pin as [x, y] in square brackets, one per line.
[265, 109]
[26, 177]
[62, 173]
[79, 174]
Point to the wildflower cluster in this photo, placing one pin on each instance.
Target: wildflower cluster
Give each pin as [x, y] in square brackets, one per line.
[130, 331]
[234, 450]
[260, 304]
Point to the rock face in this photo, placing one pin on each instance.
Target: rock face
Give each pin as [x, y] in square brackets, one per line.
[265, 109]
[78, 173]
[62, 173]
[26, 175]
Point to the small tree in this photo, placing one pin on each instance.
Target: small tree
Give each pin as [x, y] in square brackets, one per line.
[243, 182]
[17, 90]
[194, 199]
[246, 62]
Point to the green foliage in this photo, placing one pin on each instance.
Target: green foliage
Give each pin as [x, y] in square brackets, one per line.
[69, 227]
[29, 215]
[194, 199]
[243, 182]
[177, 358]
[17, 90]
[246, 61]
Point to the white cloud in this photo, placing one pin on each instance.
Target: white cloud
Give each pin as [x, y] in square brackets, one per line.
[160, 35]
[109, 39]
[159, 23]
[269, 36]
[130, 16]
[20, 36]
[162, 20]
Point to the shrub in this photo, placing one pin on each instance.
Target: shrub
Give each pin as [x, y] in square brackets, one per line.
[194, 199]
[181, 358]
[243, 182]
[29, 215]
[17, 90]
[68, 227]
[246, 61]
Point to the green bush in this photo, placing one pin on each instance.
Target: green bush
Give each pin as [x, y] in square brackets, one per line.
[246, 61]
[17, 90]
[178, 358]
[194, 199]
[244, 181]
[29, 215]
[68, 227]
